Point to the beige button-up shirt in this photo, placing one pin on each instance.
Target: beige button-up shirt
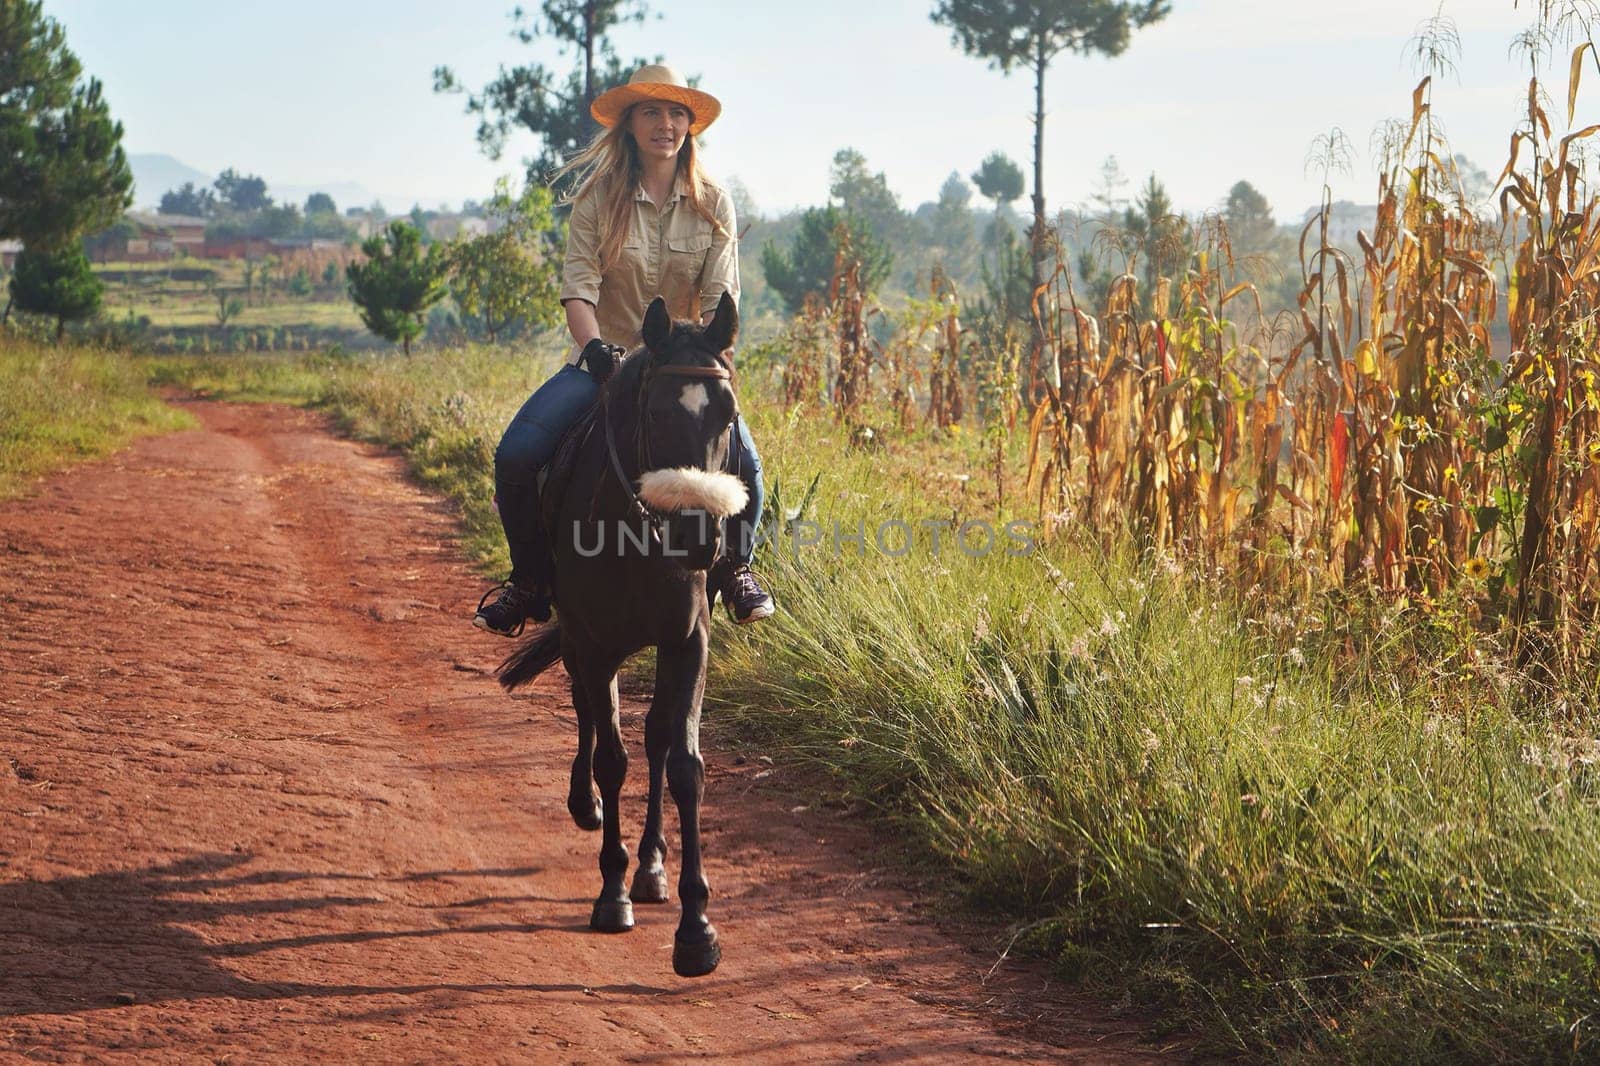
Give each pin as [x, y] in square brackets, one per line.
[670, 251]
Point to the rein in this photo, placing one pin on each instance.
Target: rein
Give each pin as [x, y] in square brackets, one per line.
[723, 371]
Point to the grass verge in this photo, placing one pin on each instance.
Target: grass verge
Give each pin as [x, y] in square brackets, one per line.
[62, 405]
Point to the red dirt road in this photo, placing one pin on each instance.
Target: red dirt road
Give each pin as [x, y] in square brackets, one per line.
[262, 801]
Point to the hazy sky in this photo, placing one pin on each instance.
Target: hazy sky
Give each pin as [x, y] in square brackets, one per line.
[341, 91]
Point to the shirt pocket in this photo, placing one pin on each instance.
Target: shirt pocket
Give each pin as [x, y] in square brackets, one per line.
[686, 258]
[630, 276]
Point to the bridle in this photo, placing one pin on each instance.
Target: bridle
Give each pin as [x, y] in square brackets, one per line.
[723, 371]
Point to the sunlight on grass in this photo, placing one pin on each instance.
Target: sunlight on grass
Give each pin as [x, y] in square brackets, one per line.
[63, 405]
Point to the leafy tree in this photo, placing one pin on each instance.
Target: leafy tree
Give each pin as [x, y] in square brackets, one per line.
[324, 224]
[1030, 34]
[1160, 234]
[276, 220]
[512, 274]
[865, 195]
[187, 200]
[1008, 287]
[59, 283]
[243, 193]
[62, 169]
[955, 195]
[1248, 216]
[320, 203]
[397, 284]
[807, 267]
[998, 179]
[553, 107]
[745, 208]
[1147, 234]
[420, 219]
[113, 240]
[953, 233]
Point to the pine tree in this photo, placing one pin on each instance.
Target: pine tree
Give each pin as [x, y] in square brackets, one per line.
[62, 168]
[1031, 34]
[58, 283]
[806, 268]
[188, 200]
[551, 107]
[397, 284]
[866, 195]
[999, 179]
[1248, 216]
[1107, 199]
[954, 235]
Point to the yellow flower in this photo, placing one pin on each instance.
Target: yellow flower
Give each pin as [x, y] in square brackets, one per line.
[1476, 568]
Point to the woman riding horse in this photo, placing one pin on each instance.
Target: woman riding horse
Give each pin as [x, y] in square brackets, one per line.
[646, 222]
[638, 523]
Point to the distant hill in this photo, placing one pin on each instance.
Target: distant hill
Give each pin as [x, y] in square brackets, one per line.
[154, 175]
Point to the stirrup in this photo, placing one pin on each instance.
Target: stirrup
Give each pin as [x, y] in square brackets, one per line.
[508, 615]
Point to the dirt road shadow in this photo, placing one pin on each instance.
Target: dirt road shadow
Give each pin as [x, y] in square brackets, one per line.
[135, 936]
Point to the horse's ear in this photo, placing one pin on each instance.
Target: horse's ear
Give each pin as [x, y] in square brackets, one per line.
[657, 326]
[725, 326]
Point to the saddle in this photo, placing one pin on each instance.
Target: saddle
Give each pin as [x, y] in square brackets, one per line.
[556, 475]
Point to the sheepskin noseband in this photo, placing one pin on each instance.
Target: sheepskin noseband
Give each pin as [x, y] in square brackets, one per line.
[689, 489]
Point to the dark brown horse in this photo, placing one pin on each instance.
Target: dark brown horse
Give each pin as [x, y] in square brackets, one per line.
[636, 525]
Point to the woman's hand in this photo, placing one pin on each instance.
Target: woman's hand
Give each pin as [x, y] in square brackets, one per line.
[601, 358]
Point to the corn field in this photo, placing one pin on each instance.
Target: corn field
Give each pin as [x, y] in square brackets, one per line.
[1424, 424]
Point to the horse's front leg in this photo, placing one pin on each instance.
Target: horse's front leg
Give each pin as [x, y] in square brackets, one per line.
[613, 911]
[681, 681]
[650, 879]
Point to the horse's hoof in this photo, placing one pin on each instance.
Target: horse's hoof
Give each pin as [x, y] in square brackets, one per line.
[612, 916]
[649, 886]
[587, 812]
[698, 958]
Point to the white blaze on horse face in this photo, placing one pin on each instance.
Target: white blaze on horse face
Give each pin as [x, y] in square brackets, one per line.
[694, 399]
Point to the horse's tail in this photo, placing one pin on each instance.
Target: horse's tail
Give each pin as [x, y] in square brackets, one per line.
[536, 655]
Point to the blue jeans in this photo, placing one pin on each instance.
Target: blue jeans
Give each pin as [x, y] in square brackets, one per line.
[530, 442]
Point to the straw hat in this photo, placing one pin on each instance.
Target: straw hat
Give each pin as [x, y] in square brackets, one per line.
[656, 82]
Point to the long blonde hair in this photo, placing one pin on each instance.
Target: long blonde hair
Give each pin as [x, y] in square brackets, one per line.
[609, 167]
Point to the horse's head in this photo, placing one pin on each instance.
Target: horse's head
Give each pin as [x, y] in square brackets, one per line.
[686, 411]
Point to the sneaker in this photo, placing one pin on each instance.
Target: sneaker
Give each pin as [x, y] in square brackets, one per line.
[511, 609]
[747, 601]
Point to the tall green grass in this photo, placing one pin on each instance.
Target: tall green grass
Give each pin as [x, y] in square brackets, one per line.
[1169, 794]
[1307, 845]
[63, 405]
